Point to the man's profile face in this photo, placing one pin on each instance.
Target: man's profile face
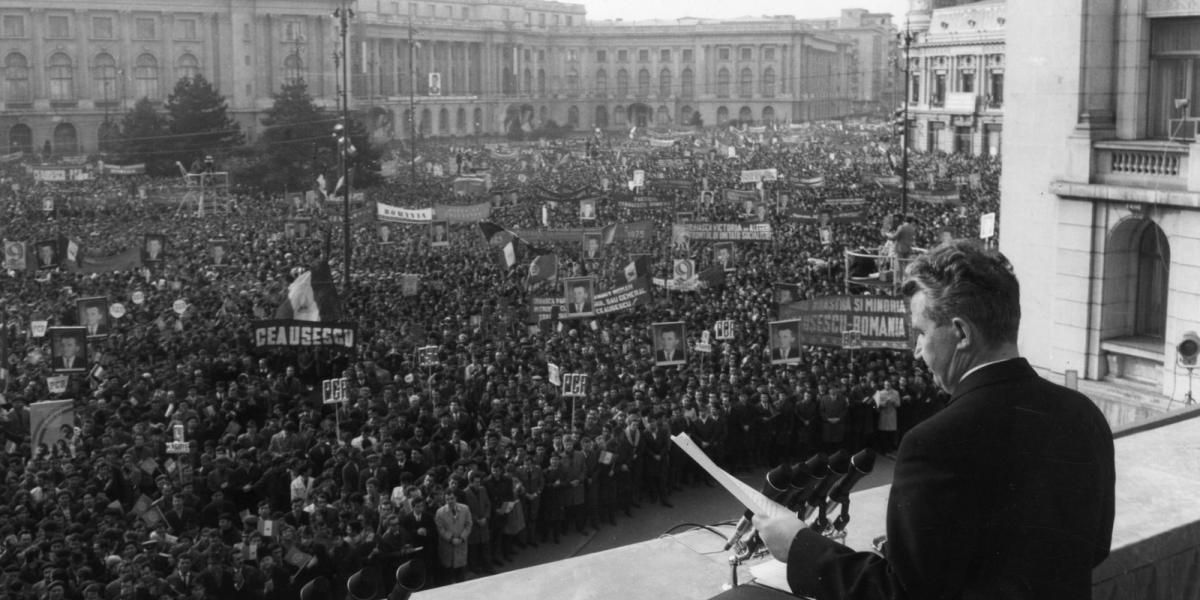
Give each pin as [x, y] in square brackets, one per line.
[786, 338]
[936, 345]
[669, 339]
[70, 347]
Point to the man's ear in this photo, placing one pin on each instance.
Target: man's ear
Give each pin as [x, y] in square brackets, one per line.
[967, 333]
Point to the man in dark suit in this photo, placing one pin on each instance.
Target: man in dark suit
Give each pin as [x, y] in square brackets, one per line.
[668, 350]
[785, 346]
[93, 319]
[1005, 493]
[70, 355]
[581, 299]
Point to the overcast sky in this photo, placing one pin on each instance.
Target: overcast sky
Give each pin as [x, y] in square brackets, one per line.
[634, 10]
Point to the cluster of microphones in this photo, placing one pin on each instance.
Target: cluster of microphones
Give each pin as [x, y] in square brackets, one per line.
[818, 485]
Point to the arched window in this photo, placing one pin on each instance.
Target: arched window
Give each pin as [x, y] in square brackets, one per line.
[16, 78]
[601, 117]
[541, 82]
[601, 82]
[460, 124]
[293, 69]
[145, 77]
[61, 73]
[443, 121]
[107, 135]
[746, 83]
[619, 116]
[105, 78]
[768, 83]
[478, 120]
[768, 115]
[722, 115]
[66, 140]
[573, 116]
[20, 138]
[685, 115]
[186, 67]
[426, 124]
[663, 116]
[622, 83]
[1154, 261]
[745, 115]
[664, 83]
[687, 84]
[573, 82]
[723, 83]
[643, 83]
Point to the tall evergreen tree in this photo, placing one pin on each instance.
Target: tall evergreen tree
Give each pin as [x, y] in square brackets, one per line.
[143, 137]
[297, 144]
[199, 121]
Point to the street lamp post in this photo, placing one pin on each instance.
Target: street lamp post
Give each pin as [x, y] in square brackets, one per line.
[412, 103]
[907, 39]
[342, 132]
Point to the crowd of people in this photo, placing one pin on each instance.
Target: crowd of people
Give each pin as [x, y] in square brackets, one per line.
[461, 459]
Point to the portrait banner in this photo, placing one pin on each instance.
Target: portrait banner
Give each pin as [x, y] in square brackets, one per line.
[883, 322]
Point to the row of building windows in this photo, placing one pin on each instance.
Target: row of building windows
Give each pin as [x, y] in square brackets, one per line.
[108, 79]
[687, 55]
[965, 83]
[104, 27]
[687, 82]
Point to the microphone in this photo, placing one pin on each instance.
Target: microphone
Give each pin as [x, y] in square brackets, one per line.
[839, 465]
[817, 468]
[775, 485]
[861, 465]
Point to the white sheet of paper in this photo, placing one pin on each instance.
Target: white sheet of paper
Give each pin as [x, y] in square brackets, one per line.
[748, 496]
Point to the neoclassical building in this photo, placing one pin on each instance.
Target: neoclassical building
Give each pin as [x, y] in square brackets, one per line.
[956, 60]
[467, 67]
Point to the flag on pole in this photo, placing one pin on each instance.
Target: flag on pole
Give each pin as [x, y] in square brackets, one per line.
[312, 296]
[638, 268]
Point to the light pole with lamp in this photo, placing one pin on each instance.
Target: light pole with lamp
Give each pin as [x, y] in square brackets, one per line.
[341, 133]
[906, 38]
[412, 102]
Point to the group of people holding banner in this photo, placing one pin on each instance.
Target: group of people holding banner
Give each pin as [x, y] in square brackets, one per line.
[272, 489]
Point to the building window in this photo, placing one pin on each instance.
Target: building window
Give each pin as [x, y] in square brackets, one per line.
[541, 56]
[573, 117]
[722, 115]
[1174, 72]
[145, 77]
[601, 81]
[14, 26]
[557, 21]
[293, 68]
[466, 14]
[187, 67]
[185, 29]
[144, 28]
[688, 55]
[723, 54]
[293, 31]
[995, 97]
[541, 19]
[573, 82]
[541, 82]
[746, 83]
[61, 73]
[962, 141]
[16, 78]
[622, 56]
[527, 82]
[528, 55]
[723, 83]
[570, 20]
[106, 78]
[747, 54]
[664, 56]
[1154, 260]
[664, 83]
[914, 95]
[601, 119]
[622, 83]
[768, 83]
[687, 84]
[619, 116]
[966, 82]
[768, 54]
[601, 56]
[937, 98]
[643, 56]
[643, 83]
[58, 26]
[572, 55]
[507, 15]
[102, 28]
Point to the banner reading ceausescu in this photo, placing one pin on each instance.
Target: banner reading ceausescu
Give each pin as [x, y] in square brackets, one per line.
[883, 322]
[282, 332]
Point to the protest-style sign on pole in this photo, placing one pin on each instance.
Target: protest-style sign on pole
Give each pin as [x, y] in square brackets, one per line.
[180, 306]
[178, 445]
[138, 297]
[851, 340]
[574, 386]
[723, 330]
[57, 384]
[116, 310]
[987, 227]
[37, 328]
[333, 391]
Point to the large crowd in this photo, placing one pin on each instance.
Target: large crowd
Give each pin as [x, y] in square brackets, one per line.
[462, 461]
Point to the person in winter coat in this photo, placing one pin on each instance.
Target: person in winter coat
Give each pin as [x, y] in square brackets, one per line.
[454, 527]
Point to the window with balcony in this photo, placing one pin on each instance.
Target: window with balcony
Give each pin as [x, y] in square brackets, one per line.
[937, 96]
[687, 84]
[102, 28]
[643, 88]
[14, 26]
[914, 89]
[664, 83]
[16, 79]
[105, 78]
[723, 83]
[995, 98]
[966, 82]
[61, 73]
[58, 27]
[145, 77]
[1174, 74]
